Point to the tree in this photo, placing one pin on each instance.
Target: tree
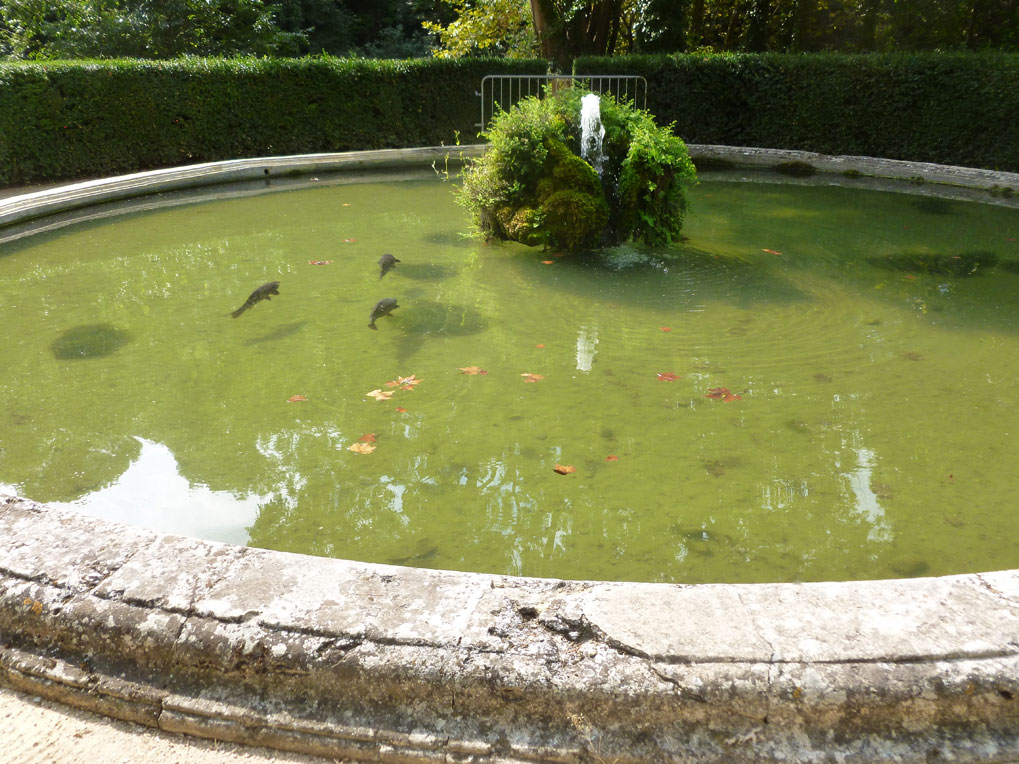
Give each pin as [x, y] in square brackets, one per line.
[500, 27]
[140, 28]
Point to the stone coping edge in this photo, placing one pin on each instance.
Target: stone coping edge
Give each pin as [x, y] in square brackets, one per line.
[24, 207]
[382, 663]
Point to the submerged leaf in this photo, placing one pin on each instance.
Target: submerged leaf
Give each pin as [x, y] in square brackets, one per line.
[368, 437]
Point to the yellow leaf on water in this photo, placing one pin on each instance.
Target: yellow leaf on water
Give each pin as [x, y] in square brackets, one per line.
[379, 395]
[361, 448]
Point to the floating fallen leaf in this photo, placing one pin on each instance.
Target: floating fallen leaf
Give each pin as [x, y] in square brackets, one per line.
[401, 409]
[547, 262]
[296, 398]
[771, 252]
[368, 437]
[392, 383]
[612, 458]
[529, 377]
[361, 448]
[564, 469]
[668, 376]
[349, 241]
[540, 346]
[722, 394]
[379, 395]
[472, 371]
[411, 380]
[319, 262]
[665, 328]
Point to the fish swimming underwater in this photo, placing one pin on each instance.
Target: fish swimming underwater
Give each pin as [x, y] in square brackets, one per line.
[264, 292]
[386, 262]
[383, 307]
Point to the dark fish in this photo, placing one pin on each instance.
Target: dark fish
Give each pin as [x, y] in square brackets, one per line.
[386, 262]
[383, 307]
[264, 292]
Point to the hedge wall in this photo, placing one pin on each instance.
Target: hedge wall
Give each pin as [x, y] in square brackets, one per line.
[958, 109]
[96, 118]
[76, 119]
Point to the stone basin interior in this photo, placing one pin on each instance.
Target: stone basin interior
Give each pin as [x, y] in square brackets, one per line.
[818, 383]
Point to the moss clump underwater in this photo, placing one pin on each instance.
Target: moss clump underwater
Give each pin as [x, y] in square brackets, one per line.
[532, 186]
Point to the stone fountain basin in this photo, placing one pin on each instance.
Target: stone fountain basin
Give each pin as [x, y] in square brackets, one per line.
[383, 663]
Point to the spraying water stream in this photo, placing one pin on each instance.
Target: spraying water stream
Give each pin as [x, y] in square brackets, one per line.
[592, 132]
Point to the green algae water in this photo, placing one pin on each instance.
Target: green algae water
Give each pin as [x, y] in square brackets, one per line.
[820, 383]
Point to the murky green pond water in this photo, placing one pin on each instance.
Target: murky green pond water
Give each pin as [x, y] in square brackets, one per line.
[821, 383]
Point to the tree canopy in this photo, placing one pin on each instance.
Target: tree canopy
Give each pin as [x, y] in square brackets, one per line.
[557, 30]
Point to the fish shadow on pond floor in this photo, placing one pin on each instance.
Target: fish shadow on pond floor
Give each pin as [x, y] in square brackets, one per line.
[425, 272]
[420, 319]
[89, 341]
[279, 333]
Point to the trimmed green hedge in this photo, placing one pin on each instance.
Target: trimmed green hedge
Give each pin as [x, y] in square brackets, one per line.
[93, 118]
[97, 118]
[958, 109]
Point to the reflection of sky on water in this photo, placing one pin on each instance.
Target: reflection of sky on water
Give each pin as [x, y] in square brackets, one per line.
[152, 493]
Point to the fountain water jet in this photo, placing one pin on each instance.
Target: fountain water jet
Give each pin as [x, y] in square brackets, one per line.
[592, 132]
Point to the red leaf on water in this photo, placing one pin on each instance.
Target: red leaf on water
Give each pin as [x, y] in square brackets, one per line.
[665, 328]
[564, 469]
[401, 409]
[296, 398]
[368, 437]
[668, 376]
[612, 458]
[722, 394]
[540, 346]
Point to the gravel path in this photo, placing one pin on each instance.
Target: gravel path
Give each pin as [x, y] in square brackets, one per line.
[36, 731]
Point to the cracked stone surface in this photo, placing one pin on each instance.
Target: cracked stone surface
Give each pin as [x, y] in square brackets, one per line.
[382, 663]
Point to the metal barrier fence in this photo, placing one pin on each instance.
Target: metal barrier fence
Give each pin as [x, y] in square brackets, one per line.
[502, 91]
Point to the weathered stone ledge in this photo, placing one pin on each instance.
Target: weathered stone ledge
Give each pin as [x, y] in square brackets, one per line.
[381, 663]
[29, 206]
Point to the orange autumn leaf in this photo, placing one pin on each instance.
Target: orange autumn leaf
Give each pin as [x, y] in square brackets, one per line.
[379, 395]
[722, 394]
[529, 377]
[392, 383]
[320, 262]
[401, 409]
[349, 241]
[564, 469]
[612, 458]
[361, 448]
[771, 252]
[368, 437]
[668, 376]
[547, 262]
[296, 398]
[411, 381]
[540, 346]
[471, 371]
[665, 328]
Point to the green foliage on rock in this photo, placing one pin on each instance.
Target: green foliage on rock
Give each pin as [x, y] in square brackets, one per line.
[533, 186]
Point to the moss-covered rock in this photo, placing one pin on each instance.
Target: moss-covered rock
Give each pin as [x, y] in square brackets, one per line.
[533, 187]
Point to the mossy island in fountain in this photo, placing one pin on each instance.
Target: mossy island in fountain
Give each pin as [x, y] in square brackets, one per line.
[532, 186]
